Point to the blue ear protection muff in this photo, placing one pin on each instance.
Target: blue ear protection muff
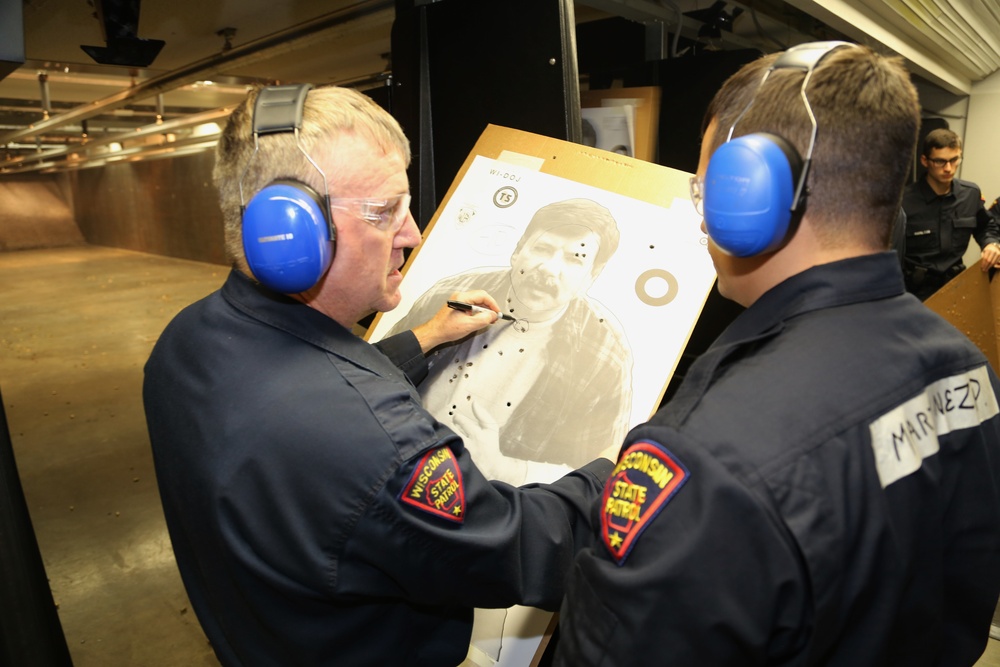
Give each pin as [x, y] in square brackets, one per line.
[749, 193]
[755, 185]
[288, 233]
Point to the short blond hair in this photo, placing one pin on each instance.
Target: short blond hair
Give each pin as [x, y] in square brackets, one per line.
[328, 112]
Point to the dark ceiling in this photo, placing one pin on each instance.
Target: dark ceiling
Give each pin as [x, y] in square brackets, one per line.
[58, 106]
[211, 50]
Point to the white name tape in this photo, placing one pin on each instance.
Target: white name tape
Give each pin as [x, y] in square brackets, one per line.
[903, 437]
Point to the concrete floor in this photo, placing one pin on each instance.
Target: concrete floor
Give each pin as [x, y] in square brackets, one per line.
[991, 658]
[76, 327]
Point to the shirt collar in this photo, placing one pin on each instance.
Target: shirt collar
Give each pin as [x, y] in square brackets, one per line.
[865, 278]
[928, 194]
[308, 324]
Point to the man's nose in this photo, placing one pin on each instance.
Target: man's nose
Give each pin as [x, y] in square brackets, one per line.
[409, 234]
[551, 265]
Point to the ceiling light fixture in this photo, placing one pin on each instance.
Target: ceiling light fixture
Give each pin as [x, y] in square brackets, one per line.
[715, 19]
[119, 23]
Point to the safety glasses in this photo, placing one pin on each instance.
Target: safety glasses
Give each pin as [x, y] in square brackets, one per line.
[387, 215]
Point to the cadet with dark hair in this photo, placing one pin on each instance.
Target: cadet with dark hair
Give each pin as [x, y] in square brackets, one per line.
[943, 213]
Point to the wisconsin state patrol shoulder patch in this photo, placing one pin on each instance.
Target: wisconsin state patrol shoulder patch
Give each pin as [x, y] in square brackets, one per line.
[435, 486]
[646, 478]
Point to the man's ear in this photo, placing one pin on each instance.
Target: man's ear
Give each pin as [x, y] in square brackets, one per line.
[923, 161]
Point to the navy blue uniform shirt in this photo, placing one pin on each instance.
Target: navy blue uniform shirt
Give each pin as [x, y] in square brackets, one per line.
[939, 227]
[823, 490]
[318, 514]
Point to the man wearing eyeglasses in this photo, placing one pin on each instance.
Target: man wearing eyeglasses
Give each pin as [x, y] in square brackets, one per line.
[942, 214]
[319, 515]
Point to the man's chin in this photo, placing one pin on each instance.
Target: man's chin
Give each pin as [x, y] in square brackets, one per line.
[390, 302]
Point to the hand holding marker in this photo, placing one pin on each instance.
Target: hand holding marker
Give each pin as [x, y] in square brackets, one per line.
[461, 305]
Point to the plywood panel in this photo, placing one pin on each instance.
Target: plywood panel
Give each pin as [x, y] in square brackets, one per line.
[969, 303]
[35, 212]
[164, 207]
[596, 347]
[646, 102]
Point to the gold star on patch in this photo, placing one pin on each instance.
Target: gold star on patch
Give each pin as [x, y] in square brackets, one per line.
[616, 540]
[457, 511]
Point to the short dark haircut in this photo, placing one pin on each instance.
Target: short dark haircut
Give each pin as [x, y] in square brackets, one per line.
[941, 138]
[583, 212]
[867, 112]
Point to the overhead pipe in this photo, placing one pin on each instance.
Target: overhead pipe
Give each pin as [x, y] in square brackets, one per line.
[212, 116]
[43, 84]
[236, 57]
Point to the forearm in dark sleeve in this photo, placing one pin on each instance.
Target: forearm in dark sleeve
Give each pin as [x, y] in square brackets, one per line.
[404, 351]
[987, 228]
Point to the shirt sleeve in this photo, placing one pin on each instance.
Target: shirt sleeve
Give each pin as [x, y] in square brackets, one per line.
[493, 546]
[404, 351]
[990, 226]
[703, 575]
[987, 226]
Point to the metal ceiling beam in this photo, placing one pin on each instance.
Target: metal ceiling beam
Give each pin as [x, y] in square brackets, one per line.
[236, 57]
[213, 116]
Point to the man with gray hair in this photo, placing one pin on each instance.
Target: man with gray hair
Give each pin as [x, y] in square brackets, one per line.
[318, 514]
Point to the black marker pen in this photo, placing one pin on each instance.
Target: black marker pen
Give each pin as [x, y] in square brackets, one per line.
[461, 305]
